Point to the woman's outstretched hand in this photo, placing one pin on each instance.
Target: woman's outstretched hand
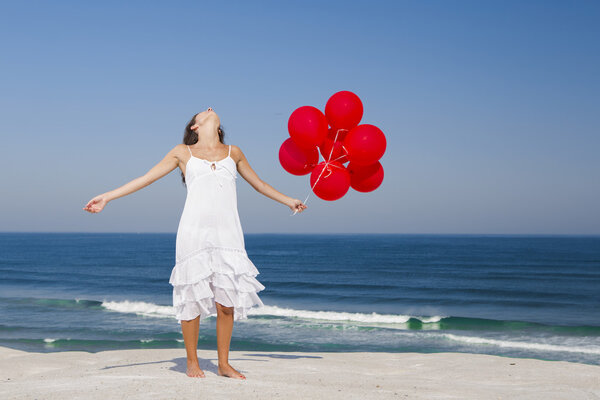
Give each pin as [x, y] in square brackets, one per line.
[96, 204]
[297, 205]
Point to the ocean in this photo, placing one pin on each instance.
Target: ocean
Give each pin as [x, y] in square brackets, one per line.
[507, 295]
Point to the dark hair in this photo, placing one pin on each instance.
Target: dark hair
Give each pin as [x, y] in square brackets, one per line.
[191, 137]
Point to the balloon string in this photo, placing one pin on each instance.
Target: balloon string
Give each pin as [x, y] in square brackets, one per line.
[327, 162]
[335, 159]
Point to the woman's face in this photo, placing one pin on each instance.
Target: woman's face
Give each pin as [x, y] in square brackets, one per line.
[207, 115]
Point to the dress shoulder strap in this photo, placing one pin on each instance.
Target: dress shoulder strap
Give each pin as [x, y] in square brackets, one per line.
[229, 155]
[189, 150]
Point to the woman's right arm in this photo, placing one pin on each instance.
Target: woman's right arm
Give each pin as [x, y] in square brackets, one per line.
[166, 165]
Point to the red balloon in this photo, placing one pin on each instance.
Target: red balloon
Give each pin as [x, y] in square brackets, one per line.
[341, 134]
[344, 110]
[333, 183]
[365, 144]
[338, 154]
[296, 160]
[365, 178]
[307, 126]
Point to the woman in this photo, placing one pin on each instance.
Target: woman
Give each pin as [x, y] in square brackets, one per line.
[213, 274]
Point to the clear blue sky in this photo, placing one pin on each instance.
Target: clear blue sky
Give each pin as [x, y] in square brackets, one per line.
[490, 109]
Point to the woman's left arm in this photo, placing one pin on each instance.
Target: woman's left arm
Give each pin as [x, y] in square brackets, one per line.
[246, 171]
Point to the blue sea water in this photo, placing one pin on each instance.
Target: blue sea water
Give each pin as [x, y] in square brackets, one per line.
[518, 296]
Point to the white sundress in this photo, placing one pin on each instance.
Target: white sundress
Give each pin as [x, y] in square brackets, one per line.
[211, 261]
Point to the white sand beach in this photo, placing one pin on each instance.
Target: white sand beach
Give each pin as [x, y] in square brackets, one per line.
[160, 374]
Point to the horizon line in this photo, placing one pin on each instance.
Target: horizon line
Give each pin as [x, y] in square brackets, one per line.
[326, 233]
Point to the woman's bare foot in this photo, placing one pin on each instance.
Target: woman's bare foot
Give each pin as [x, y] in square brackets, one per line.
[228, 371]
[193, 369]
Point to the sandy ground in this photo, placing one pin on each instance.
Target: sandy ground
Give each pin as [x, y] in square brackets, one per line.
[160, 374]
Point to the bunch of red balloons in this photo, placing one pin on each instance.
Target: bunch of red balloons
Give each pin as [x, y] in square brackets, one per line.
[337, 135]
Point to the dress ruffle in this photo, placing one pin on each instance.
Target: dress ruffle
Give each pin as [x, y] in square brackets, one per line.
[214, 274]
